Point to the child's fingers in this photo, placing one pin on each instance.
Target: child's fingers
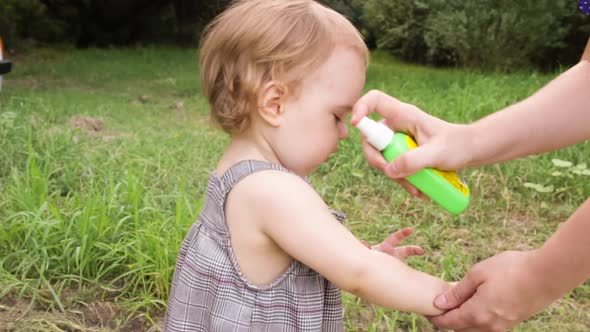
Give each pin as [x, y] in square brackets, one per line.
[408, 251]
[396, 238]
[402, 253]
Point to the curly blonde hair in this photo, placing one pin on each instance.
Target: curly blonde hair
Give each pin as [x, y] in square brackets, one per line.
[257, 41]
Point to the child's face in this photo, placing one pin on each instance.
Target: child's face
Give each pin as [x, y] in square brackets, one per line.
[315, 119]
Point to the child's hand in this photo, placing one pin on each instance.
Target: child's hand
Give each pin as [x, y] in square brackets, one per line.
[390, 245]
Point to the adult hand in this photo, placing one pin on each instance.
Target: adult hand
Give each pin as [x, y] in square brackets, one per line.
[496, 294]
[441, 144]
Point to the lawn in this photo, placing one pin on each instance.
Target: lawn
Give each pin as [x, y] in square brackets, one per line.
[104, 156]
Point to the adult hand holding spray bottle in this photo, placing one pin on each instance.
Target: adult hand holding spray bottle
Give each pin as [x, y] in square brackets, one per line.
[443, 187]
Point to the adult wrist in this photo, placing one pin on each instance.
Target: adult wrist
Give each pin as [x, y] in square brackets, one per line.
[539, 270]
[471, 145]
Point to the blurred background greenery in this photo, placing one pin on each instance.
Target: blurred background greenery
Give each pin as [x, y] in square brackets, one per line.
[488, 34]
[106, 147]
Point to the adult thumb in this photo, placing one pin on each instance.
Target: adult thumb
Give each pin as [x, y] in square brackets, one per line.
[411, 162]
[456, 295]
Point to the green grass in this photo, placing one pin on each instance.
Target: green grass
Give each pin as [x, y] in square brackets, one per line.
[91, 221]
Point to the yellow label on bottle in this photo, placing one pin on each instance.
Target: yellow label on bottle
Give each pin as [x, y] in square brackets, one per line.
[454, 180]
[450, 177]
[411, 143]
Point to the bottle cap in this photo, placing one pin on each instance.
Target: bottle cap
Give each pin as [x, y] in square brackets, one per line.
[377, 134]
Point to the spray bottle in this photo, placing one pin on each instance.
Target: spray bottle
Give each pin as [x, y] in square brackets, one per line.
[443, 187]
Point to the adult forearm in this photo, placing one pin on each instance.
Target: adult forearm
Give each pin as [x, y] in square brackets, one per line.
[556, 116]
[564, 259]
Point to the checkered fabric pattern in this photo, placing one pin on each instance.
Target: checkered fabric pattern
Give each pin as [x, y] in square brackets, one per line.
[209, 293]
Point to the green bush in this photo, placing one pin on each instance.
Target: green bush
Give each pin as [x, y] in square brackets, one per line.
[578, 27]
[502, 34]
[495, 34]
[24, 22]
[105, 22]
[398, 26]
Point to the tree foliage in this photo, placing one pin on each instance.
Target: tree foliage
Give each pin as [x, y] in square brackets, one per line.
[498, 34]
[107, 22]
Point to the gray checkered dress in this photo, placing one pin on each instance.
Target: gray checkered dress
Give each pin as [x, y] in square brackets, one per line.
[209, 292]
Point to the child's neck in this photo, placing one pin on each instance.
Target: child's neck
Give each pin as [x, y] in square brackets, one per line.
[246, 147]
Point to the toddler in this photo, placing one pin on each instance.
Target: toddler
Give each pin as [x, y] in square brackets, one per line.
[266, 253]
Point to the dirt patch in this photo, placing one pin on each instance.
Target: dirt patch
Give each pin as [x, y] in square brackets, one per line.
[94, 128]
[20, 315]
[87, 123]
[26, 82]
[177, 105]
[26, 315]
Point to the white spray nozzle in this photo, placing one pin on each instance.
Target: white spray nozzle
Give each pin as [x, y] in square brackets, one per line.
[377, 134]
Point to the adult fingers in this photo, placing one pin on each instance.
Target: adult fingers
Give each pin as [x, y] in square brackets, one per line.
[374, 157]
[399, 115]
[412, 161]
[456, 295]
[457, 319]
[411, 189]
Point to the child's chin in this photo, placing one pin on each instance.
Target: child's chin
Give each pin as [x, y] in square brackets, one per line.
[331, 154]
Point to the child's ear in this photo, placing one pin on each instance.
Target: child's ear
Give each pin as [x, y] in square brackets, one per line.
[270, 103]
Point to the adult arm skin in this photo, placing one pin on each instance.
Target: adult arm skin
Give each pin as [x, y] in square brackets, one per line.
[556, 116]
[506, 289]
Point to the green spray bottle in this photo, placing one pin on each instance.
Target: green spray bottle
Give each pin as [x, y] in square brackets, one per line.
[443, 187]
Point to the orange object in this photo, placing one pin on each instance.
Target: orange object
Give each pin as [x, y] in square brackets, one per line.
[1, 49]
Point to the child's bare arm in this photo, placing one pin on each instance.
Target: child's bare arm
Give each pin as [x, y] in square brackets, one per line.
[298, 220]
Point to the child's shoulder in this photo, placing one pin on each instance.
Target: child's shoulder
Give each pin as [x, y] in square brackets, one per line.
[266, 187]
[272, 183]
